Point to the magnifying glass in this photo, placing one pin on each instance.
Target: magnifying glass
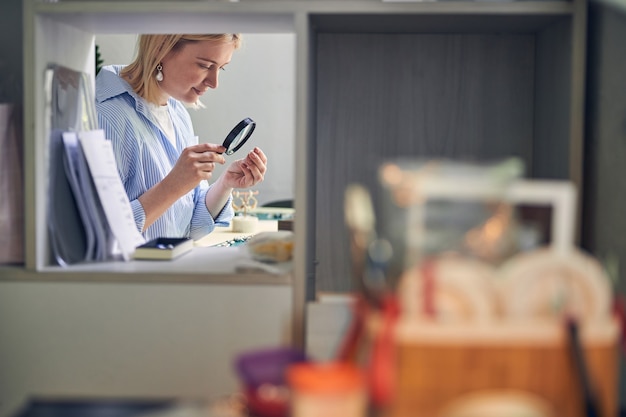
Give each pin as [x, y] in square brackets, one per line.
[239, 135]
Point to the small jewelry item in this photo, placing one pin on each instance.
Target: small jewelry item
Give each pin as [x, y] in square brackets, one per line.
[246, 200]
[159, 74]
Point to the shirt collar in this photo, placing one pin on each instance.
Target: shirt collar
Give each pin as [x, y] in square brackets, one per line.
[110, 85]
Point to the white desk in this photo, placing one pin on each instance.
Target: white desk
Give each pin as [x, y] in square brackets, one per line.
[224, 234]
[221, 264]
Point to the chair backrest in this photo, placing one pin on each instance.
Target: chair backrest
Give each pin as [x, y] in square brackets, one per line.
[279, 203]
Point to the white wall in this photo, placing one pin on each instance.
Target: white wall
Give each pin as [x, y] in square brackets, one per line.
[259, 83]
[129, 340]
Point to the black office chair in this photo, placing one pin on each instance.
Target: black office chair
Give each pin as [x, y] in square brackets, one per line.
[279, 204]
[284, 223]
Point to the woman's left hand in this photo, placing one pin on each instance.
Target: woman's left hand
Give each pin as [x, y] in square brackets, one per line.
[246, 172]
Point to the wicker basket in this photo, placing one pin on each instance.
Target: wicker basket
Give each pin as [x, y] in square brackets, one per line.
[436, 364]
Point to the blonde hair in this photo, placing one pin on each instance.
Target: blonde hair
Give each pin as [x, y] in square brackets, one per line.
[151, 49]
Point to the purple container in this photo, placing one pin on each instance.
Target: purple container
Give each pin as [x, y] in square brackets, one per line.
[266, 366]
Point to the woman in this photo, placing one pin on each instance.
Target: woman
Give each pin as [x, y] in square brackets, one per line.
[142, 110]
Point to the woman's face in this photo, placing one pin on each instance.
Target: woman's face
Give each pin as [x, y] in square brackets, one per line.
[190, 71]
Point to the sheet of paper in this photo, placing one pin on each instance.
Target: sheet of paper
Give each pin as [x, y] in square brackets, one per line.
[84, 201]
[101, 160]
[65, 226]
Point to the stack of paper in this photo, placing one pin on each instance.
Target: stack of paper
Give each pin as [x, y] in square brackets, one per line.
[105, 226]
[89, 214]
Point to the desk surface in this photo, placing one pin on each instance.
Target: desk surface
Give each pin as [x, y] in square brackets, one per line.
[268, 222]
[225, 234]
[205, 260]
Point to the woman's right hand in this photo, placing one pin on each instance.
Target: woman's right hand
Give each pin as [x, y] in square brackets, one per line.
[196, 163]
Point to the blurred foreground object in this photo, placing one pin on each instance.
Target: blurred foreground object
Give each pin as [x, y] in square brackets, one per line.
[333, 389]
[499, 403]
[477, 301]
[262, 374]
[271, 247]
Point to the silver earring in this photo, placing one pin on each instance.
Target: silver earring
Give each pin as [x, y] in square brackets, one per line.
[159, 74]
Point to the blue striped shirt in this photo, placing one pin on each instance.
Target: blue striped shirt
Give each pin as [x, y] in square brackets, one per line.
[145, 156]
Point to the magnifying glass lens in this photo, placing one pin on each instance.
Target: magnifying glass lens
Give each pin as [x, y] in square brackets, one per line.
[239, 135]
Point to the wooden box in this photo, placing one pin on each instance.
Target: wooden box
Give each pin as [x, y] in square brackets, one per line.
[435, 365]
